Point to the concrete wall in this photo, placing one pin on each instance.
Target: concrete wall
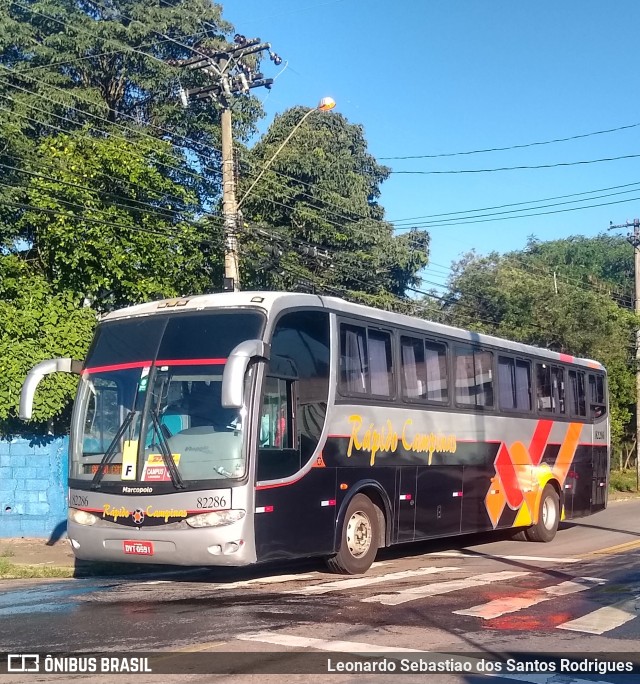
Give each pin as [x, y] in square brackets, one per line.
[33, 487]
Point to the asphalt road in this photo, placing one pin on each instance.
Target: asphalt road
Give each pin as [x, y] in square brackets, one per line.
[486, 596]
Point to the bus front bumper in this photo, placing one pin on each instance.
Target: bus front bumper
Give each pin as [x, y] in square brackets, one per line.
[230, 545]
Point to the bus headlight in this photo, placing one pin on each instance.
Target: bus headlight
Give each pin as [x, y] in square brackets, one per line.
[216, 518]
[82, 517]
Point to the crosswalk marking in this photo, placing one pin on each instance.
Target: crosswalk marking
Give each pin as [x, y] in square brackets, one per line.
[340, 585]
[438, 588]
[511, 604]
[605, 619]
[294, 641]
[491, 556]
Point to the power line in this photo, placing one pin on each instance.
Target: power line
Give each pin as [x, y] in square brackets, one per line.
[510, 218]
[518, 168]
[514, 212]
[515, 147]
[285, 175]
[148, 208]
[315, 199]
[514, 204]
[82, 218]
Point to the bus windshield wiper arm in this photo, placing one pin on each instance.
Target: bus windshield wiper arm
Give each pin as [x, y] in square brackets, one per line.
[111, 450]
[166, 454]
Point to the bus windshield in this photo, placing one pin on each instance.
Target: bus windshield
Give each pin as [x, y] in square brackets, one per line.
[149, 405]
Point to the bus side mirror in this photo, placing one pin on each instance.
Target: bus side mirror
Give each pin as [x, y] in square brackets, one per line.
[36, 374]
[236, 368]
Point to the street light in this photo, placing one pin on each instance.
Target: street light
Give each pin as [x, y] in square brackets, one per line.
[325, 104]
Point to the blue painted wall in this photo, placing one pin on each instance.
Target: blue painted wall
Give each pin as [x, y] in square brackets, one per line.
[33, 486]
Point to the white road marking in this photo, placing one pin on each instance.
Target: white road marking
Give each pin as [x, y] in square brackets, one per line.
[511, 604]
[357, 647]
[438, 588]
[605, 619]
[340, 585]
[323, 644]
[538, 559]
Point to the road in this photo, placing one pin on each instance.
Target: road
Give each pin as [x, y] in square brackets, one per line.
[486, 596]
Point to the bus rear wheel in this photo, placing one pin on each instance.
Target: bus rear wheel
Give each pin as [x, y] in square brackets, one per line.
[358, 539]
[548, 517]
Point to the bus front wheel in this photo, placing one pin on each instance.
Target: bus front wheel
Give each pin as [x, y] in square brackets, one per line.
[548, 517]
[359, 538]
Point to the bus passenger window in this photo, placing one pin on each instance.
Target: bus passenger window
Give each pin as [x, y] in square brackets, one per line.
[436, 367]
[578, 400]
[597, 404]
[413, 370]
[424, 370]
[557, 385]
[514, 384]
[474, 377]
[380, 365]
[544, 395]
[274, 419]
[353, 359]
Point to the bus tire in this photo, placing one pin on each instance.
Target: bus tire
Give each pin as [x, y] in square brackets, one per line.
[358, 538]
[548, 517]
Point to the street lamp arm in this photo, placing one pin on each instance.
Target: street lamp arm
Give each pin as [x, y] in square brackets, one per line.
[275, 154]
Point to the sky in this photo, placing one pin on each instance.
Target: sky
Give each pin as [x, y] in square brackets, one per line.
[439, 77]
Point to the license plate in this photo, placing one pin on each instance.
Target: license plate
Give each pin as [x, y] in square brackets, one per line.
[138, 548]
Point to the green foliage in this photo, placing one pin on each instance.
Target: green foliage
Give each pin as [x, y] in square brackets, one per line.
[322, 190]
[103, 175]
[128, 233]
[625, 481]
[36, 324]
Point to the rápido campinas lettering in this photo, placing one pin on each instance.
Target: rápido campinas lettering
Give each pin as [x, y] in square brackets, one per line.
[115, 512]
[386, 439]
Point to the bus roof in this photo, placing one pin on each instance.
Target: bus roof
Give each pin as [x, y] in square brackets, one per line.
[273, 303]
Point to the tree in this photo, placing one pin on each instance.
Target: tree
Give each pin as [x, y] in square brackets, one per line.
[105, 66]
[103, 176]
[505, 296]
[314, 217]
[37, 324]
[127, 234]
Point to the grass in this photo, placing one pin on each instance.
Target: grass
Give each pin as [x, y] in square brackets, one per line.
[13, 571]
[622, 481]
[7, 553]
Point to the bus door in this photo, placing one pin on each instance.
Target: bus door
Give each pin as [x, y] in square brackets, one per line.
[579, 482]
[439, 501]
[295, 499]
[598, 413]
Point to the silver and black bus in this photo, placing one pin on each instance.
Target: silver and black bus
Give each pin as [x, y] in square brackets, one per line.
[236, 428]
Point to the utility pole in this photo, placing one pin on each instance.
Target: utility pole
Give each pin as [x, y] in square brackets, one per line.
[231, 76]
[231, 280]
[634, 239]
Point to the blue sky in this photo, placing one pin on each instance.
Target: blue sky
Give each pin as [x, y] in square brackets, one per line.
[427, 77]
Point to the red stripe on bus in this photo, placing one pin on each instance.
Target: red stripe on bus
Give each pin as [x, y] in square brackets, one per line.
[504, 467]
[116, 366]
[191, 362]
[539, 440]
[567, 357]
[160, 362]
[280, 484]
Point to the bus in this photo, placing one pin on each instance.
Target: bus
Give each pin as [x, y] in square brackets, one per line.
[235, 428]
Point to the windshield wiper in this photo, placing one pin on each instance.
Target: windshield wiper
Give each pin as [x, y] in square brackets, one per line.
[166, 454]
[111, 450]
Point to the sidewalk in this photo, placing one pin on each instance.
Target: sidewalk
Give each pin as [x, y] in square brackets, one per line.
[25, 551]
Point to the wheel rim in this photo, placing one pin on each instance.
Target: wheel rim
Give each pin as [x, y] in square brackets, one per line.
[358, 534]
[549, 513]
